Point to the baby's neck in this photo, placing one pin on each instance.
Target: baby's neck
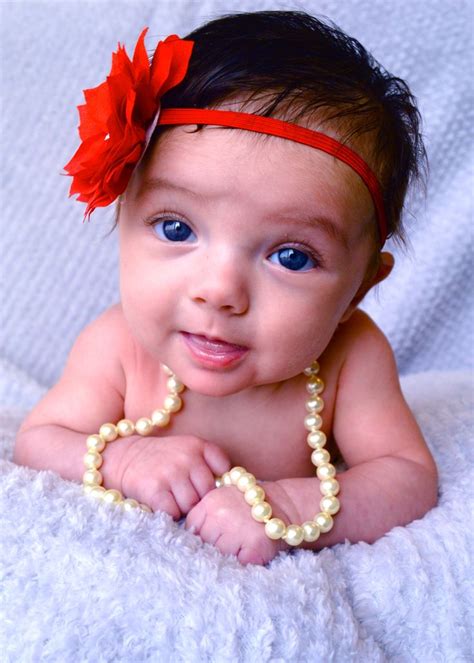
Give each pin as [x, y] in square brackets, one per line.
[251, 398]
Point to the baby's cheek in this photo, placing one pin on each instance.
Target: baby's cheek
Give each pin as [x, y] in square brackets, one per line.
[137, 316]
[294, 340]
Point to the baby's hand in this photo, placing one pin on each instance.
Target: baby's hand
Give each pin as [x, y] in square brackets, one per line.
[223, 518]
[171, 474]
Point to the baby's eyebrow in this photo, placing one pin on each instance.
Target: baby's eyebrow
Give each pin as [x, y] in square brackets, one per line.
[326, 224]
[153, 183]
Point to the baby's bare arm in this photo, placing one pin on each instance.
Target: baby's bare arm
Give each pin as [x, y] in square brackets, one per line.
[392, 477]
[169, 473]
[89, 393]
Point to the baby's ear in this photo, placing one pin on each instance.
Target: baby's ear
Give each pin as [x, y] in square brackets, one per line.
[385, 266]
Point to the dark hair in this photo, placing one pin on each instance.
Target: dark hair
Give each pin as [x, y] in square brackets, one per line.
[302, 68]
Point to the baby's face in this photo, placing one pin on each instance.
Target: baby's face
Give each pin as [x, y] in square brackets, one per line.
[256, 242]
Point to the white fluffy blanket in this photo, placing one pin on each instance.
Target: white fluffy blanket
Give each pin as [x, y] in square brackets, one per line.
[85, 582]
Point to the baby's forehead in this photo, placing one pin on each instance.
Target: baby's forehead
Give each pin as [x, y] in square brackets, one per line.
[264, 177]
[199, 153]
[327, 122]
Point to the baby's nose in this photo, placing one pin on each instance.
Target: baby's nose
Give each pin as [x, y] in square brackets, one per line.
[221, 285]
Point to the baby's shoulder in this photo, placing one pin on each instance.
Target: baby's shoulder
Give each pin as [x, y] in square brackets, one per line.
[110, 321]
[105, 339]
[366, 361]
[359, 339]
[110, 324]
[359, 357]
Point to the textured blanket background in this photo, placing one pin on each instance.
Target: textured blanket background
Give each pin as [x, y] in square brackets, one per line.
[79, 583]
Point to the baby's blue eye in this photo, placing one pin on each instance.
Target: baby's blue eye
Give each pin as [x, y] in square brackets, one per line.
[173, 230]
[293, 259]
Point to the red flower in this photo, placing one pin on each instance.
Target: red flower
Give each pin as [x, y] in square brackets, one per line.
[115, 118]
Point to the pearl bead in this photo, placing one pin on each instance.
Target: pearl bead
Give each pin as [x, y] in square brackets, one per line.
[130, 504]
[330, 504]
[246, 481]
[95, 443]
[329, 486]
[326, 471]
[108, 432]
[225, 478]
[97, 492]
[125, 427]
[313, 421]
[315, 405]
[313, 369]
[92, 460]
[172, 403]
[324, 521]
[294, 535]
[316, 439]
[236, 473]
[218, 483]
[320, 457]
[254, 494]
[262, 511]
[167, 370]
[311, 531]
[112, 496]
[315, 386]
[160, 418]
[174, 385]
[275, 528]
[144, 426]
[92, 477]
[145, 508]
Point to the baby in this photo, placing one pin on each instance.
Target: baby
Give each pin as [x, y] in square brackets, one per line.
[259, 165]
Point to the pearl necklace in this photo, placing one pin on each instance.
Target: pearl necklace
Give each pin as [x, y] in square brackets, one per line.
[254, 494]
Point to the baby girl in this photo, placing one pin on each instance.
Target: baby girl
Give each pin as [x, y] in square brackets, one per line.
[259, 165]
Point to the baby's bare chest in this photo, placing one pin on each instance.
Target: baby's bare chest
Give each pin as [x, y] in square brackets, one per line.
[266, 435]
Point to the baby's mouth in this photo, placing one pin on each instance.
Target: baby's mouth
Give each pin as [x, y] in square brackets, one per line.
[213, 351]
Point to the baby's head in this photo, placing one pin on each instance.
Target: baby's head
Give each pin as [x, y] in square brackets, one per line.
[219, 221]
[292, 66]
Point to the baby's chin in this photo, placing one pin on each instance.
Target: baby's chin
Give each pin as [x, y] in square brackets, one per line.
[213, 384]
[216, 385]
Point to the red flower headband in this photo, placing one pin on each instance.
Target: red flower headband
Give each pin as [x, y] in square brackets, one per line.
[119, 116]
[116, 116]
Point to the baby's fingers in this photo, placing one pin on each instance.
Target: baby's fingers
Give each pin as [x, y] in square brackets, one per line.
[163, 500]
[195, 519]
[249, 555]
[185, 495]
[230, 543]
[216, 458]
[202, 479]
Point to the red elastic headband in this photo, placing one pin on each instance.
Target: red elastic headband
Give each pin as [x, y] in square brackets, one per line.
[282, 129]
[120, 114]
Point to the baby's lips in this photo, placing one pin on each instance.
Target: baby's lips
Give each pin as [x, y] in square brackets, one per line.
[213, 352]
[217, 342]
